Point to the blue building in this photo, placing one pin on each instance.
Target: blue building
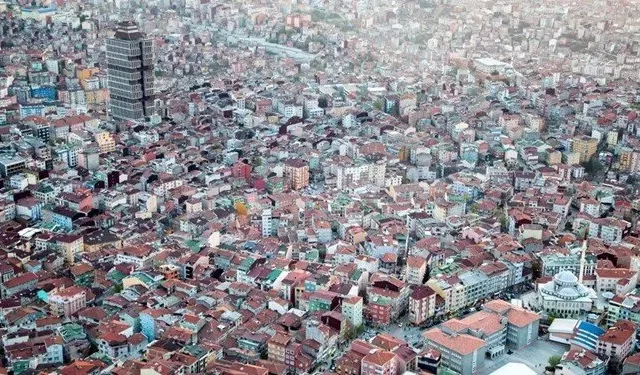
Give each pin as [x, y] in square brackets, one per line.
[43, 92]
[310, 285]
[64, 217]
[587, 335]
[147, 325]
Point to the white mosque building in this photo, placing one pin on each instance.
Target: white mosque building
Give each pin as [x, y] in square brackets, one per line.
[565, 296]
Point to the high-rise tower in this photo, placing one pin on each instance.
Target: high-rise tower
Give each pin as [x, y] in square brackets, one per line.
[130, 73]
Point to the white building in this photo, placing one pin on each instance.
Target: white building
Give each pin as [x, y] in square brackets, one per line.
[489, 65]
[565, 297]
[266, 223]
[360, 174]
[352, 310]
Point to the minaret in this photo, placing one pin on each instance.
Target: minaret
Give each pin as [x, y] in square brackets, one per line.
[406, 245]
[582, 259]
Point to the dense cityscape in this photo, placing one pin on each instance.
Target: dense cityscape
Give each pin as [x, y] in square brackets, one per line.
[289, 187]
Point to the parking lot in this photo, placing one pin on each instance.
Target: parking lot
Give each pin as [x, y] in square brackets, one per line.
[535, 356]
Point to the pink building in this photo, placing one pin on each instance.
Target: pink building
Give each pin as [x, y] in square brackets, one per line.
[66, 302]
[422, 304]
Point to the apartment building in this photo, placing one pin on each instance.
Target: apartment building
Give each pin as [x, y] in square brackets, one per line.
[359, 173]
[584, 146]
[608, 229]
[629, 160]
[140, 256]
[616, 280]
[69, 245]
[379, 363]
[352, 308]
[415, 270]
[624, 308]
[296, 172]
[485, 281]
[443, 209]
[23, 282]
[590, 206]
[105, 142]
[422, 304]
[68, 301]
[611, 230]
[553, 264]
[388, 299]
[618, 341]
[10, 165]
[451, 290]
[276, 347]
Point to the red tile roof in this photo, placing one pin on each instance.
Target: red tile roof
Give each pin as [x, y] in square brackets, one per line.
[460, 344]
[379, 358]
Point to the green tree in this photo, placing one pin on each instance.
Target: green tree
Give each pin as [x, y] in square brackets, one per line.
[592, 166]
[353, 332]
[632, 180]
[554, 360]
[504, 222]
[615, 365]
[323, 102]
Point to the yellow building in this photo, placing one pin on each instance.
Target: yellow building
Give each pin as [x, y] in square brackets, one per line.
[612, 138]
[585, 147]
[454, 296]
[276, 347]
[571, 158]
[554, 157]
[86, 73]
[106, 142]
[625, 159]
[356, 235]
[96, 97]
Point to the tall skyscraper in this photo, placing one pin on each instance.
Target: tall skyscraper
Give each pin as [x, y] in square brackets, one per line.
[130, 73]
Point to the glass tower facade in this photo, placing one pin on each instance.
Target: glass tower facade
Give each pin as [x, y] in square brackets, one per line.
[130, 73]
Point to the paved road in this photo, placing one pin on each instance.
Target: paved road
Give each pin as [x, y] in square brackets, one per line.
[295, 53]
